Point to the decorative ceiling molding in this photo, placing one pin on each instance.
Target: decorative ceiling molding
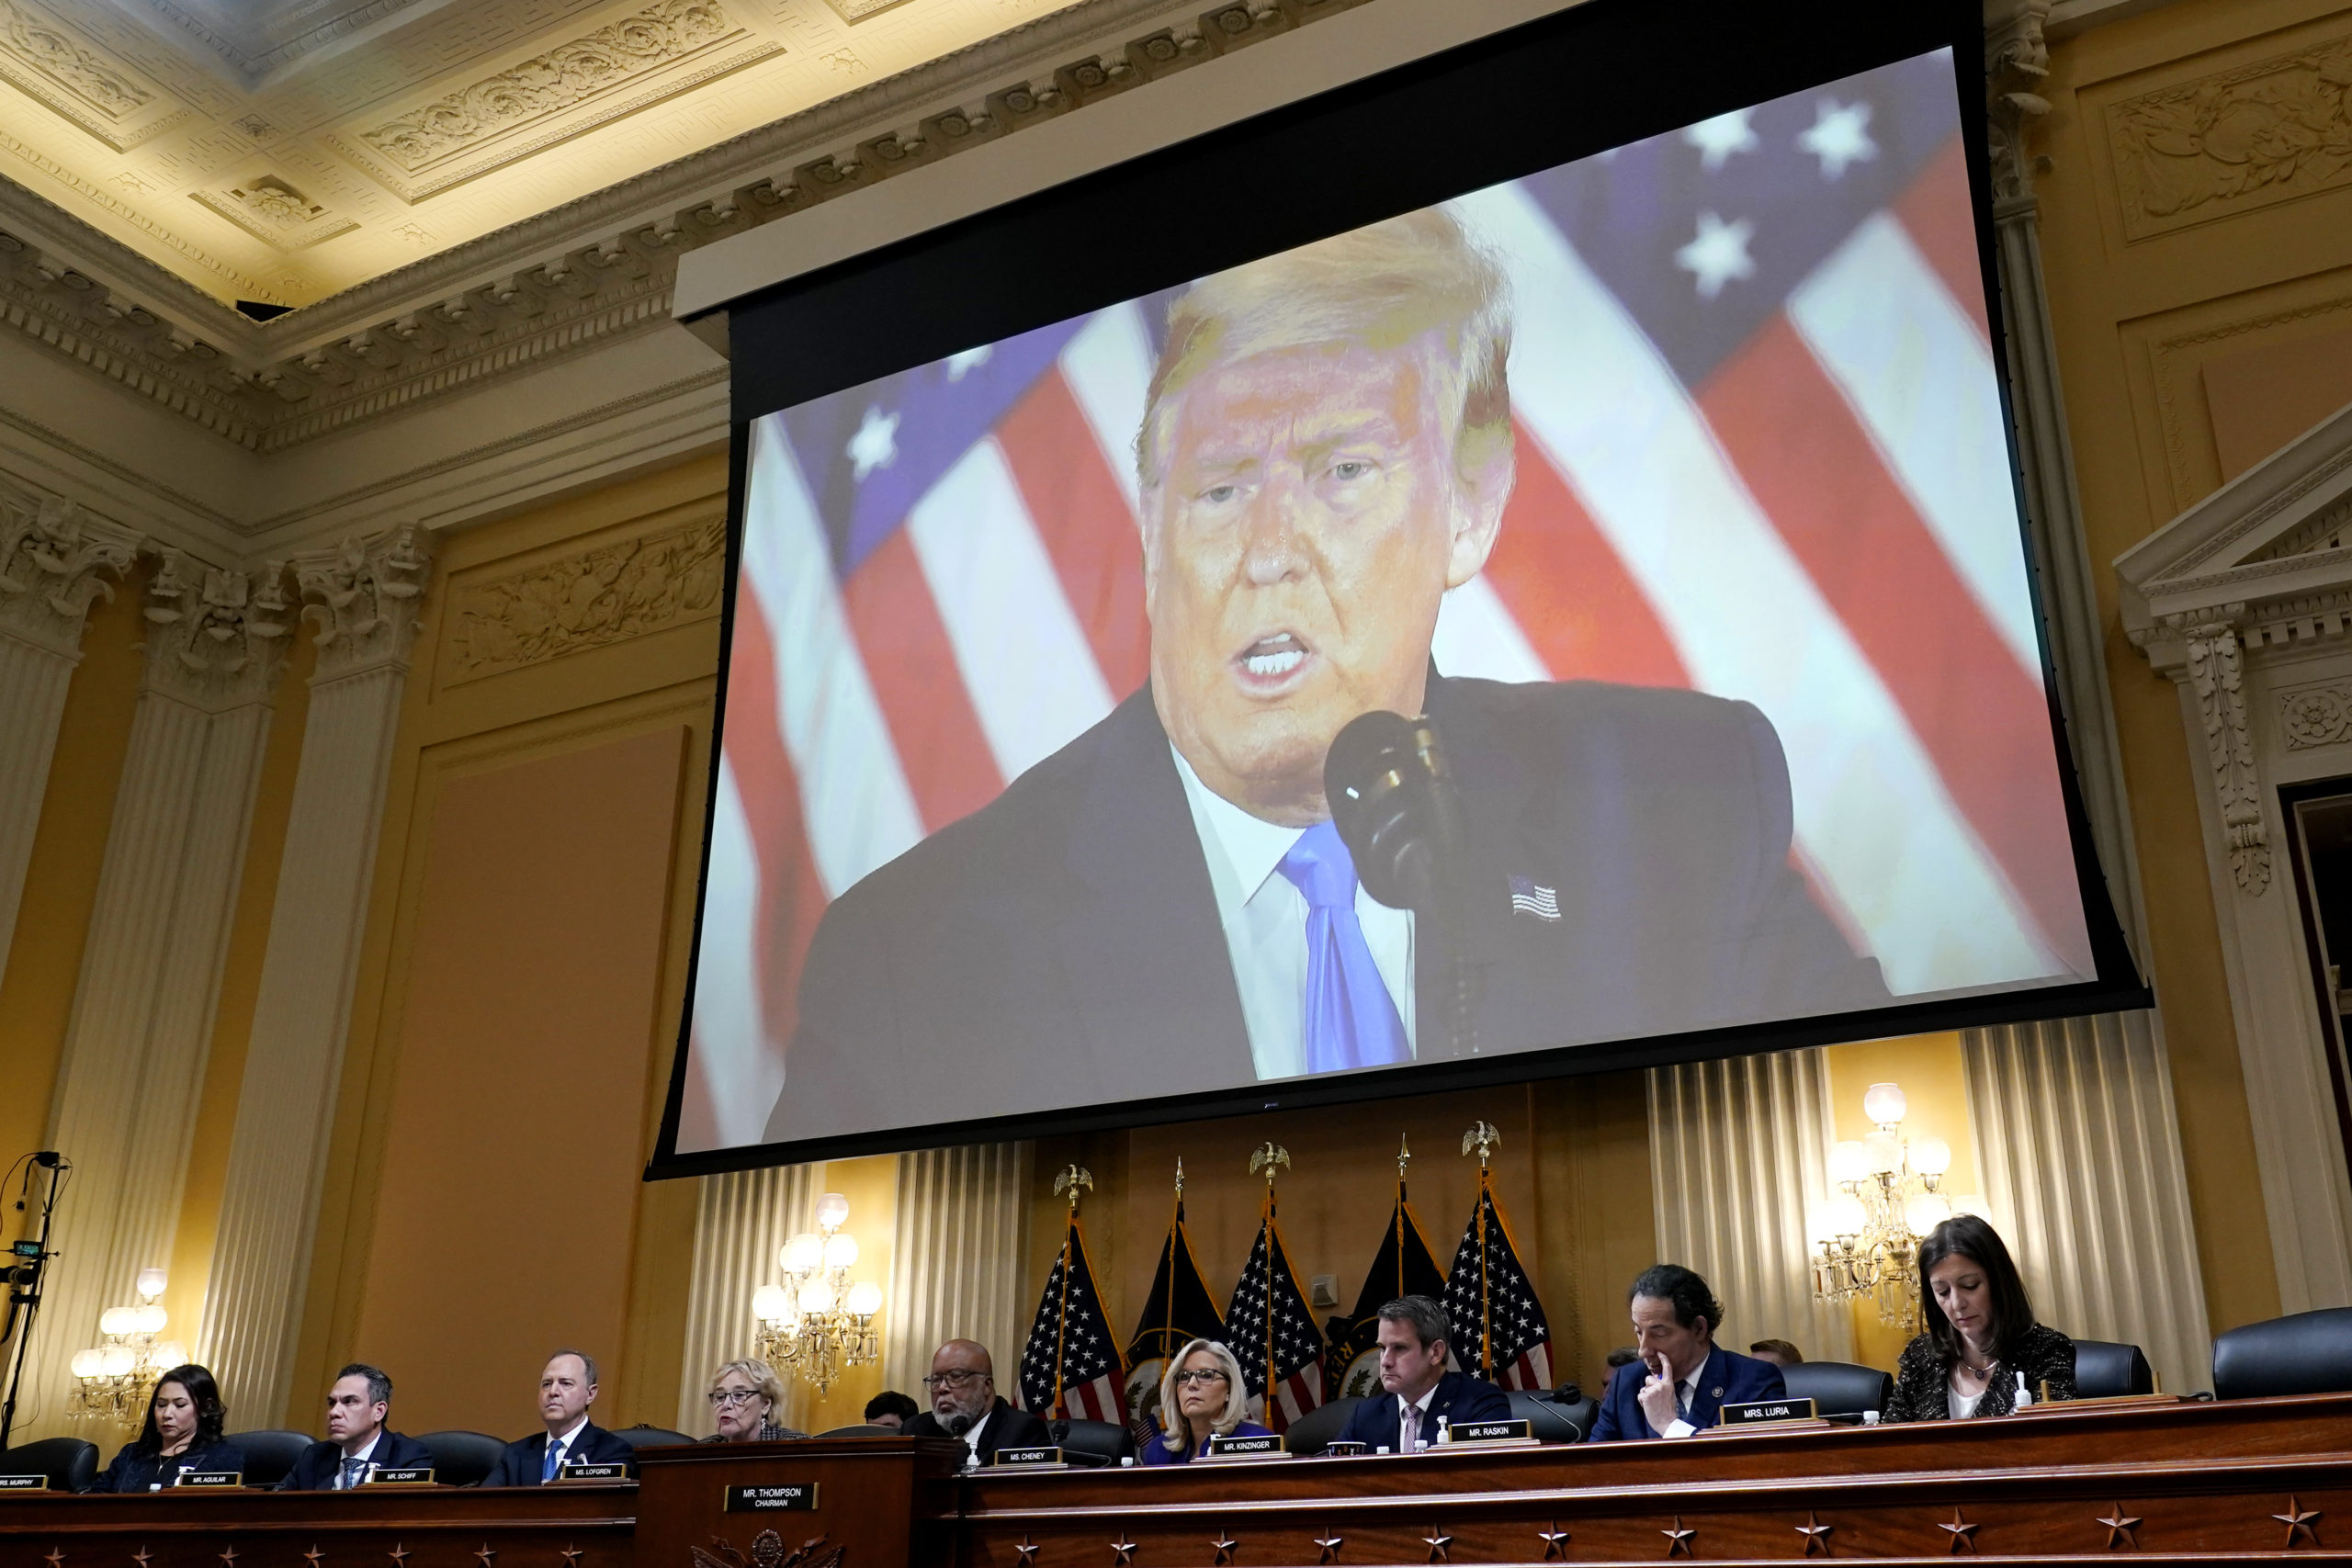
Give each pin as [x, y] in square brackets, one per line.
[252, 67]
[45, 58]
[274, 211]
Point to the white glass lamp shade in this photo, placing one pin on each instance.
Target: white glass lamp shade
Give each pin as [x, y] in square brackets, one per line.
[1926, 1212]
[115, 1360]
[817, 1295]
[151, 1283]
[864, 1299]
[1932, 1156]
[150, 1319]
[171, 1353]
[1969, 1204]
[1884, 1151]
[769, 1303]
[116, 1320]
[833, 1211]
[840, 1250]
[1883, 1103]
[803, 1253]
[1848, 1161]
[88, 1362]
[1846, 1215]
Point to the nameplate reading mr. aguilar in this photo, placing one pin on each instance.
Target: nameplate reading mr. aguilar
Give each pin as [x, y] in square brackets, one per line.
[1757, 1410]
[206, 1479]
[398, 1475]
[24, 1483]
[1492, 1431]
[592, 1469]
[791, 1497]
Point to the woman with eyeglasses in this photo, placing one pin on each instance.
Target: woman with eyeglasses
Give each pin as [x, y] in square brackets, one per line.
[185, 1417]
[1202, 1395]
[744, 1399]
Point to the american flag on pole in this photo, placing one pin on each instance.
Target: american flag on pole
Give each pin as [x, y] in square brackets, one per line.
[1761, 453]
[1273, 1332]
[1499, 1330]
[1071, 1365]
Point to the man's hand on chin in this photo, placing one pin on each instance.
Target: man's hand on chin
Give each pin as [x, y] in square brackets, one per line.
[1657, 1397]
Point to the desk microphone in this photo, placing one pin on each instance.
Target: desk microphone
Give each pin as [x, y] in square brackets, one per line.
[958, 1425]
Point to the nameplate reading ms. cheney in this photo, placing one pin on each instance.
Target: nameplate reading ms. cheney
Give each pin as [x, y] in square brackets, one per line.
[1025, 1459]
[790, 1497]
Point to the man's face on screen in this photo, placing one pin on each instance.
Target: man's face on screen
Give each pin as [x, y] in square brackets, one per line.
[1309, 520]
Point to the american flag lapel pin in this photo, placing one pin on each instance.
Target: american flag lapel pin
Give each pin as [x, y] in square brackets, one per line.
[1529, 896]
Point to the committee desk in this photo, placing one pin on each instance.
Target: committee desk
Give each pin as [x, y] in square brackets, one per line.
[2247, 1480]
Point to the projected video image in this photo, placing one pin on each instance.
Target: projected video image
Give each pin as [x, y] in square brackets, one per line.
[1670, 484]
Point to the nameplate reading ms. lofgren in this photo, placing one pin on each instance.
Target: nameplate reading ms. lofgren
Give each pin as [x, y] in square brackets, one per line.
[1756, 1410]
[592, 1469]
[790, 1497]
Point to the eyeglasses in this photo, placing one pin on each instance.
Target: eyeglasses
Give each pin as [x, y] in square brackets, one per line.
[723, 1397]
[1198, 1375]
[959, 1378]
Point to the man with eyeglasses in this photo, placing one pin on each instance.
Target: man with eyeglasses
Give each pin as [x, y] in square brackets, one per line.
[965, 1404]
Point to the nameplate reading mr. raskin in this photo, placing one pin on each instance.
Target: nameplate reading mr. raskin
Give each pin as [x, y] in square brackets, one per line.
[1492, 1431]
[24, 1483]
[790, 1497]
[1768, 1410]
[592, 1469]
[209, 1478]
[398, 1475]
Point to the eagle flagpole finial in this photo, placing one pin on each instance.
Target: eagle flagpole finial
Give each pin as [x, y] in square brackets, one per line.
[1265, 1157]
[1404, 1157]
[1074, 1179]
[1179, 1176]
[1482, 1137]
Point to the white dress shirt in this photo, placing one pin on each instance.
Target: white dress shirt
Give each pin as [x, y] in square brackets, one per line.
[972, 1438]
[1687, 1395]
[362, 1456]
[564, 1443]
[1264, 917]
[1427, 1431]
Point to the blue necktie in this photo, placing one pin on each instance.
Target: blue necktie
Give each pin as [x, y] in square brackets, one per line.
[555, 1453]
[1350, 1020]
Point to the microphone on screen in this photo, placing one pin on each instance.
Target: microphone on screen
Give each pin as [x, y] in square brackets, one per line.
[1396, 807]
[958, 1425]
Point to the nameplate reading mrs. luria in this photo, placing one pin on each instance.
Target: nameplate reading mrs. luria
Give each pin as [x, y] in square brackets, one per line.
[1492, 1431]
[592, 1469]
[791, 1497]
[209, 1478]
[398, 1475]
[1229, 1446]
[24, 1483]
[1757, 1410]
[1025, 1459]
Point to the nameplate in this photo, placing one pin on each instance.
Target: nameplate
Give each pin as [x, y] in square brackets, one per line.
[592, 1469]
[791, 1497]
[1492, 1431]
[398, 1475]
[1350, 1449]
[24, 1483]
[209, 1478]
[1757, 1411]
[1026, 1458]
[1227, 1446]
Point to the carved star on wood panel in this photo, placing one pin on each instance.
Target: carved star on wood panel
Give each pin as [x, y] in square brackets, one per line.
[570, 1555]
[1962, 1533]
[1331, 1545]
[1028, 1550]
[2121, 1526]
[399, 1554]
[1555, 1543]
[314, 1556]
[1441, 1546]
[2297, 1520]
[1123, 1551]
[228, 1555]
[141, 1555]
[488, 1553]
[1815, 1533]
[1226, 1547]
[54, 1558]
[1678, 1539]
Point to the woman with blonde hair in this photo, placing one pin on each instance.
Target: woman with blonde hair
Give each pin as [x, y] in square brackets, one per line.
[1202, 1395]
[744, 1396]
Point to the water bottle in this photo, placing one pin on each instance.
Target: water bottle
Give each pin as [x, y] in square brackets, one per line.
[2025, 1396]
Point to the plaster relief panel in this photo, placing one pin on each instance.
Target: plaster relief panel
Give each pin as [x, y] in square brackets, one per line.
[2315, 715]
[2241, 138]
[274, 211]
[641, 59]
[44, 58]
[584, 600]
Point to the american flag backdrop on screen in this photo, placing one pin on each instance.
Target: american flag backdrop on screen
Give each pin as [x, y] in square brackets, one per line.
[1071, 1365]
[1272, 1333]
[1761, 453]
[1499, 1329]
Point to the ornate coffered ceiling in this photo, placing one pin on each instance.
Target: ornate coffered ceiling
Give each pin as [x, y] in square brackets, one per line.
[287, 151]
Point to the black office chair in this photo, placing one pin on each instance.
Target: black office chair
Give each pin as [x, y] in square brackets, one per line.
[1093, 1444]
[71, 1464]
[2104, 1368]
[270, 1453]
[642, 1435]
[2306, 1352]
[1562, 1415]
[462, 1459]
[1839, 1388]
[862, 1430]
[1310, 1432]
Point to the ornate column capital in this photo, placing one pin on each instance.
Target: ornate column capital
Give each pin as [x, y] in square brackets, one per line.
[53, 562]
[365, 595]
[2216, 673]
[216, 637]
[2017, 58]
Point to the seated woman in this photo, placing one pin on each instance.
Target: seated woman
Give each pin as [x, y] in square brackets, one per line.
[185, 1416]
[744, 1399]
[1982, 1341]
[1203, 1393]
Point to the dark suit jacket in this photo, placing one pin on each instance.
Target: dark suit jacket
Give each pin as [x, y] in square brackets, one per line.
[1007, 1429]
[133, 1472]
[1727, 1378]
[1923, 1379]
[519, 1465]
[319, 1463]
[1064, 937]
[1378, 1424]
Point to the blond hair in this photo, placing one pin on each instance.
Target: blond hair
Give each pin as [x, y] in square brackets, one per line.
[1236, 1393]
[1418, 281]
[760, 1375]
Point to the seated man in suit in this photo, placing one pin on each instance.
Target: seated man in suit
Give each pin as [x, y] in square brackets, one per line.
[1326, 450]
[567, 1388]
[1688, 1378]
[1418, 1388]
[357, 1442]
[965, 1404]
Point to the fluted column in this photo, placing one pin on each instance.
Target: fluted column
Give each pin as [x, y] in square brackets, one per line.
[53, 565]
[741, 1222]
[1736, 1148]
[364, 595]
[131, 1074]
[956, 1257]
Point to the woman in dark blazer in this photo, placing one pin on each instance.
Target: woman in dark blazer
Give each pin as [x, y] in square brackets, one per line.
[185, 1417]
[1982, 1340]
[1202, 1395]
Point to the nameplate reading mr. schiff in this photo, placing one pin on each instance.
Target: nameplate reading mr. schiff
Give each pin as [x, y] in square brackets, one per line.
[1232, 1446]
[1759, 1410]
[24, 1483]
[1025, 1459]
[790, 1497]
[592, 1469]
[208, 1479]
[398, 1475]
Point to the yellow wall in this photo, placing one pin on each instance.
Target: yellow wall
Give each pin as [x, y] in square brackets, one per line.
[2152, 312]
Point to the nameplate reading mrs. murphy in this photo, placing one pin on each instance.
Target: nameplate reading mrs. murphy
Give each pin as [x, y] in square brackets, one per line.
[24, 1483]
[790, 1497]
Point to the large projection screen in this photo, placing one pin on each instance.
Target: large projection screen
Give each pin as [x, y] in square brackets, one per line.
[1657, 450]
